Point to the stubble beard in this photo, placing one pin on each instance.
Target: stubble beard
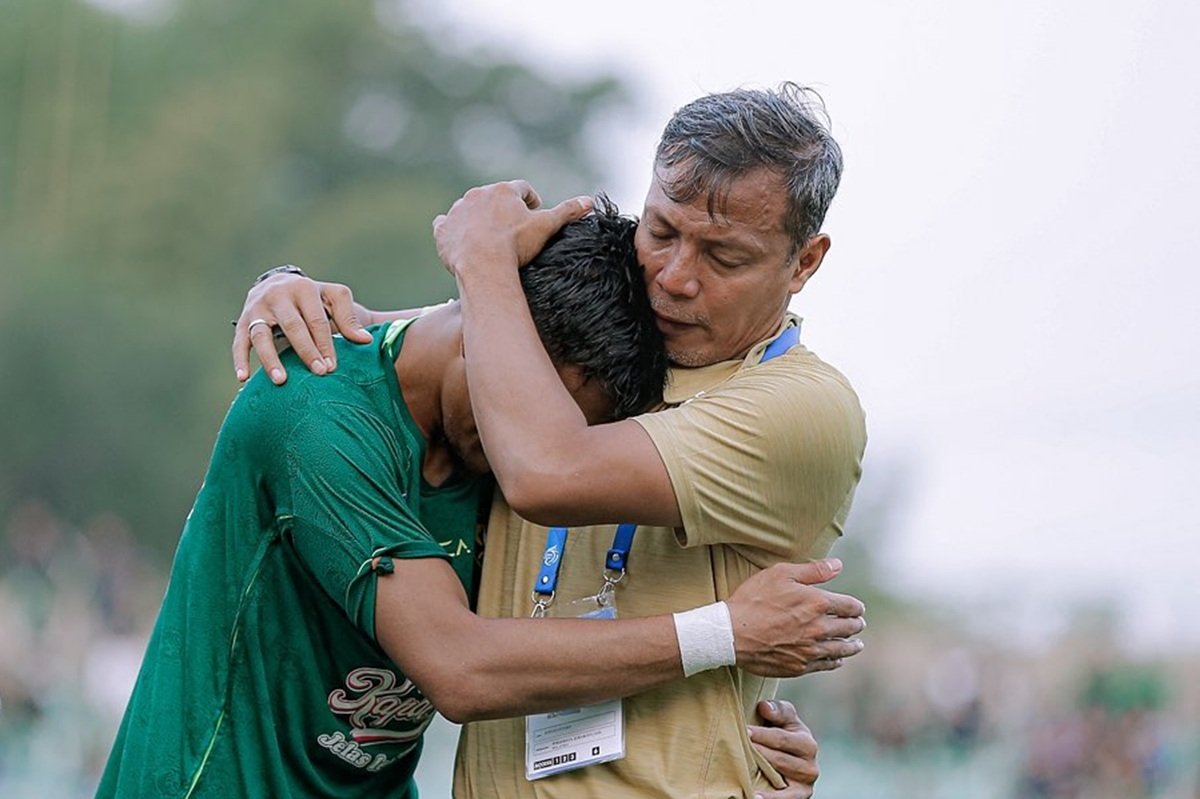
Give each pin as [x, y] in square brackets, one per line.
[688, 358]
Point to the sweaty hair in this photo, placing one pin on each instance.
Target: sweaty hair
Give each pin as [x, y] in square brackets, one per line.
[588, 300]
[714, 140]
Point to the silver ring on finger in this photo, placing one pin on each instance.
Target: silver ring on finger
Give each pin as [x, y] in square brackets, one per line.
[259, 321]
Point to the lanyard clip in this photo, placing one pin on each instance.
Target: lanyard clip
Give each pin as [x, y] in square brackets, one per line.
[607, 591]
[541, 603]
[612, 577]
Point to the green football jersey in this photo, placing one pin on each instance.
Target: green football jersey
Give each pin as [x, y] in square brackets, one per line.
[263, 676]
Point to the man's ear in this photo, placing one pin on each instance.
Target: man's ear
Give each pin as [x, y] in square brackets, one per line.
[596, 403]
[808, 260]
[572, 376]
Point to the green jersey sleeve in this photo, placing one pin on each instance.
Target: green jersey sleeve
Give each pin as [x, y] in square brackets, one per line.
[353, 481]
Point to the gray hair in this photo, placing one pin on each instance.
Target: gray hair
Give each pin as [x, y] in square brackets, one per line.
[714, 140]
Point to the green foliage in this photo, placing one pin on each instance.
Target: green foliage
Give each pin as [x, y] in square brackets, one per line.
[149, 169]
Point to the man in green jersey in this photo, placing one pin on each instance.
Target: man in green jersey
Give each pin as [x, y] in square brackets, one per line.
[318, 607]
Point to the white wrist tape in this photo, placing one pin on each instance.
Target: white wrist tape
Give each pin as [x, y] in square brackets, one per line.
[705, 638]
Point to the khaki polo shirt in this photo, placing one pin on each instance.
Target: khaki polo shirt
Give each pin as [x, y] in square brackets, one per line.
[764, 459]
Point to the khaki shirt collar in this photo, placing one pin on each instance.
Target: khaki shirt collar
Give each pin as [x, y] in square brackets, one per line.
[684, 384]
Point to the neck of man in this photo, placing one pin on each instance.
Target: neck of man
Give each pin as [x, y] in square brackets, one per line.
[432, 346]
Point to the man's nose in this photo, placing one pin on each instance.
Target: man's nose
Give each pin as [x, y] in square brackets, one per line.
[678, 275]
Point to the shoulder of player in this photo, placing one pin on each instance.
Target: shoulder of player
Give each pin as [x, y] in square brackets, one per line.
[307, 406]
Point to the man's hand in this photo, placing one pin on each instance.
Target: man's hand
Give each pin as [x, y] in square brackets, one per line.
[500, 222]
[789, 746]
[783, 626]
[308, 312]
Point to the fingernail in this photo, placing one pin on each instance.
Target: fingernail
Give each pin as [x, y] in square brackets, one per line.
[750, 733]
[277, 376]
[330, 364]
[241, 374]
[318, 366]
[834, 563]
[773, 705]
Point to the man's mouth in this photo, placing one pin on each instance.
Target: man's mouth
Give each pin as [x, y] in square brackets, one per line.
[675, 322]
[668, 325]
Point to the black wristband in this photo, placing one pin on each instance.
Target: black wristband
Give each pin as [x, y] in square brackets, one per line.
[285, 269]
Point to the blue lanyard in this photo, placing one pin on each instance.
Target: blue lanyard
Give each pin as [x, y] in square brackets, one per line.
[546, 582]
[547, 577]
[787, 339]
[618, 553]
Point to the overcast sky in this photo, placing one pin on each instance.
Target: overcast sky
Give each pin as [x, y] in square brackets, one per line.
[1013, 286]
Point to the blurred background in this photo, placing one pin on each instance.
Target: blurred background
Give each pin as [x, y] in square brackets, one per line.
[1012, 290]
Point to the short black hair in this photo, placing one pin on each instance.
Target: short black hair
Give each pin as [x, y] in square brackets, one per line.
[587, 296]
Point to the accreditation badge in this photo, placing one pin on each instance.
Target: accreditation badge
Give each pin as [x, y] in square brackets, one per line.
[569, 739]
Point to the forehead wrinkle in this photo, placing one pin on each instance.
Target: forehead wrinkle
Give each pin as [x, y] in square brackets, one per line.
[757, 199]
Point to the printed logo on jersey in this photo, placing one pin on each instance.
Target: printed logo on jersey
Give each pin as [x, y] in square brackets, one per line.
[381, 709]
[455, 547]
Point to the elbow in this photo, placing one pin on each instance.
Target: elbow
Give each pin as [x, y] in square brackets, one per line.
[545, 483]
[461, 704]
[457, 711]
[465, 688]
[536, 496]
[458, 699]
[539, 510]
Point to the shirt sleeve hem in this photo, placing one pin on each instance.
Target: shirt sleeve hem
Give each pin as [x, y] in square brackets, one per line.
[658, 429]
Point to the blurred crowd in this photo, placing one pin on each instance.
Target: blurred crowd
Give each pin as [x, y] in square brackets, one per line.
[917, 717]
[936, 714]
[76, 606]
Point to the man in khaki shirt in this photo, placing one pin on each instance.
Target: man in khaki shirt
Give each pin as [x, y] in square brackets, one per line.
[689, 738]
[758, 464]
[750, 462]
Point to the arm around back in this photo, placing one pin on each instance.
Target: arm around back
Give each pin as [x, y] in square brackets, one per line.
[475, 668]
